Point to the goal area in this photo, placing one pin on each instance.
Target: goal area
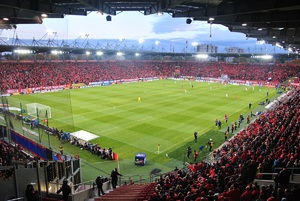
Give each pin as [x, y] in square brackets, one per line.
[39, 110]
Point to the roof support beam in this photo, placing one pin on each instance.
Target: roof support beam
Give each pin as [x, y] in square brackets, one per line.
[40, 7]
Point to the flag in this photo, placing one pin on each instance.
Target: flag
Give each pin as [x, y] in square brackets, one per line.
[115, 156]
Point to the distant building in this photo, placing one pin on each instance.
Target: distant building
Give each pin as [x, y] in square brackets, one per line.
[235, 50]
[207, 48]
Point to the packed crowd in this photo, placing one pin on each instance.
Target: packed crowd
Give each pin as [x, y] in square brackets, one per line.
[10, 153]
[260, 73]
[272, 141]
[29, 75]
[269, 145]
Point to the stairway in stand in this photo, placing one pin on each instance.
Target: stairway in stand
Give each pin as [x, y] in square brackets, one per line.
[135, 192]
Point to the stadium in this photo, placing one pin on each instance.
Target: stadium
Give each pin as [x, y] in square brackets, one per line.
[160, 126]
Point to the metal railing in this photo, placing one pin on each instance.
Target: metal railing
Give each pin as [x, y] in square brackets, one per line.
[15, 199]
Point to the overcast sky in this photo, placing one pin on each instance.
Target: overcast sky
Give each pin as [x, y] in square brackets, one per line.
[135, 26]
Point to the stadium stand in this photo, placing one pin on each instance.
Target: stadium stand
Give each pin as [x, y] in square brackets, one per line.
[135, 192]
[271, 142]
[260, 151]
[30, 75]
[10, 154]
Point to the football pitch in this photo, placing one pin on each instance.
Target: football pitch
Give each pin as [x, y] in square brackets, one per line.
[168, 114]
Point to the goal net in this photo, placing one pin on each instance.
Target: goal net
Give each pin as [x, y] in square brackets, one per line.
[42, 110]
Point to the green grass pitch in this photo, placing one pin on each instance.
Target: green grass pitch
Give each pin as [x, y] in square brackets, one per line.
[168, 114]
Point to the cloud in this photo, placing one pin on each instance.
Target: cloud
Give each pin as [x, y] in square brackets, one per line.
[134, 26]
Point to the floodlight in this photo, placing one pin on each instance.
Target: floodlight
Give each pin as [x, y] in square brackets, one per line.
[266, 57]
[202, 56]
[108, 18]
[279, 45]
[54, 52]
[188, 20]
[20, 51]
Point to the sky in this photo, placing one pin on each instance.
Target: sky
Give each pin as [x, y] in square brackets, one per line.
[157, 32]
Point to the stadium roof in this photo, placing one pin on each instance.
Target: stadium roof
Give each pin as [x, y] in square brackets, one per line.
[274, 21]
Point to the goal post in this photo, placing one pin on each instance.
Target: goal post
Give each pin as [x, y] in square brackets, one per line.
[43, 110]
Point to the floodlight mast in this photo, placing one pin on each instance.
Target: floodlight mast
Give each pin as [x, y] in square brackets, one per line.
[76, 43]
[118, 44]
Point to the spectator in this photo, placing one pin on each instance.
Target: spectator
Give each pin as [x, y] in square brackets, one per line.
[65, 189]
[99, 183]
[31, 194]
[284, 177]
[234, 193]
[114, 177]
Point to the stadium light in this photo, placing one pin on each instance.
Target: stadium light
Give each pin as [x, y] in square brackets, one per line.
[108, 18]
[23, 51]
[202, 56]
[44, 15]
[278, 45]
[137, 54]
[157, 42]
[194, 43]
[5, 19]
[119, 53]
[87, 53]
[99, 53]
[266, 57]
[56, 52]
[188, 21]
